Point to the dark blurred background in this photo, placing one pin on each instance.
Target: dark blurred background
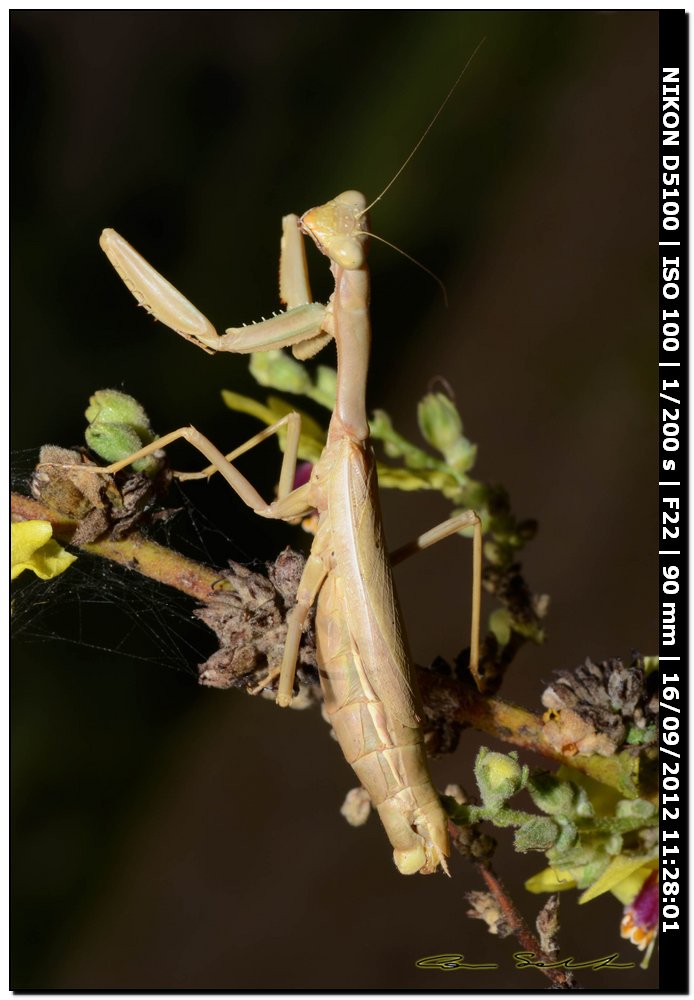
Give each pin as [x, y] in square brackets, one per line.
[166, 836]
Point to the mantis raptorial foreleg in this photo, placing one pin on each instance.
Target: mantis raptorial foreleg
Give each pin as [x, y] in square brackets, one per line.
[304, 321]
[295, 288]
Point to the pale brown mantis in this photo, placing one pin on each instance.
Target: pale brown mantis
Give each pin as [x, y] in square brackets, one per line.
[365, 667]
[366, 670]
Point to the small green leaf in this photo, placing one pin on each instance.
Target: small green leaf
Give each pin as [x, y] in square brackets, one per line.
[538, 834]
[636, 736]
[568, 835]
[638, 808]
[650, 663]
[278, 370]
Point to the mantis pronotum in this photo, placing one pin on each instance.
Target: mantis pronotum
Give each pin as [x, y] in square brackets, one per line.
[365, 666]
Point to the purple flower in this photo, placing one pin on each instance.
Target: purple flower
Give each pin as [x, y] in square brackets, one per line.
[640, 920]
[302, 474]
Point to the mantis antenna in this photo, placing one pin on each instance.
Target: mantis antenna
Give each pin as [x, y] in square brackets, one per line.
[428, 129]
[373, 236]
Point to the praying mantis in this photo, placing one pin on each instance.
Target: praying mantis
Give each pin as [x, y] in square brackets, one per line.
[365, 666]
[366, 671]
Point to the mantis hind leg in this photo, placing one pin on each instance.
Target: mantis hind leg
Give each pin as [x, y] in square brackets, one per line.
[436, 534]
[315, 572]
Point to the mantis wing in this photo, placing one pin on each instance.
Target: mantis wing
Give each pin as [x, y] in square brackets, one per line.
[374, 616]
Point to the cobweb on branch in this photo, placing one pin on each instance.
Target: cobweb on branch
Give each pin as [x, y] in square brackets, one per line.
[102, 606]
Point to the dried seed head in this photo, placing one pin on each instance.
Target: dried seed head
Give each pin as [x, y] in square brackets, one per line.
[547, 925]
[485, 907]
[356, 807]
[598, 703]
[249, 620]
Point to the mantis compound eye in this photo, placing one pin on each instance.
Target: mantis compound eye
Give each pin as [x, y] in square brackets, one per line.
[348, 253]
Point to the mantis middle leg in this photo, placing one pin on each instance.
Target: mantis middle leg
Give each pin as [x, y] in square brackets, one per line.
[436, 534]
[290, 503]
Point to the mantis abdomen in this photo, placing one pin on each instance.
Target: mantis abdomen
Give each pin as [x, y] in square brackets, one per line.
[387, 756]
[361, 651]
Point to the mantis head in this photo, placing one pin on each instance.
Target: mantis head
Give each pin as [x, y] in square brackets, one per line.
[339, 229]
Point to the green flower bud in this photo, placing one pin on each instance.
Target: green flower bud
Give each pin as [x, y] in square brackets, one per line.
[112, 442]
[499, 776]
[119, 426]
[280, 371]
[439, 421]
[537, 834]
[558, 798]
[380, 424]
[440, 424]
[109, 406]
[500, 627]
[474, 496]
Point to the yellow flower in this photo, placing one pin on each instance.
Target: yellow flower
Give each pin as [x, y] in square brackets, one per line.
[630, 877]
[551, 880]
[623, 877]
[34, 548]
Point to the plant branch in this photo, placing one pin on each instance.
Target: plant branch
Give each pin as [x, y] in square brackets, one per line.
[446, 698]
[458, 702]
[561, 978]
[135, 552]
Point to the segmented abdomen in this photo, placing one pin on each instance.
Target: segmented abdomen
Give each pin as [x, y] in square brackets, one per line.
[387, 756]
